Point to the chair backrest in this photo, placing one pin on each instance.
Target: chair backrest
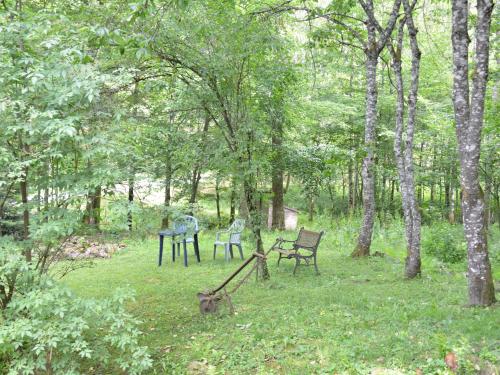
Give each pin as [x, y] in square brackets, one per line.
[308, 239]
[235, 231]
[237, 226]
[188, 224]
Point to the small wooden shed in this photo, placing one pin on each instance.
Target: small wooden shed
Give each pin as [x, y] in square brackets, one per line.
[291, 218]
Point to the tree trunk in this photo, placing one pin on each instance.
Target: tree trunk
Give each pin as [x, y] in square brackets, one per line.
[217, 200]
[350, 188]
[356, 192]
[131, 181]
[96, 207]
[232, 208]
[365, 234]
[469, 114]
[372, 50]
[287, 184]
[331, 194]
[195, 182]
[413, 262]
[255, 223]
[310, 216]
[278, 212]
[451, 209]
[278, 219]
[23, 185]
[167, 197]
[196, 173]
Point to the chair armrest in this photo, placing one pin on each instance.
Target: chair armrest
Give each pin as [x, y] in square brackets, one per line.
[281, 241]
[218, 234]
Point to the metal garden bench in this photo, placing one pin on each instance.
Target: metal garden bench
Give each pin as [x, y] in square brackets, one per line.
[305, 248]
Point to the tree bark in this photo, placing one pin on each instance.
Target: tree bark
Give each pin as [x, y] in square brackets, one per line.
[196, 173]
[232, 208]
[372, 50]
[255, 223]
[23, 185]
[310, 215]
[287, 184]
[217, 200]
[131, 181]
[278, 212]
[167, 196]
[413, 262]
[350, 188]
[469, 114]
[365, 235]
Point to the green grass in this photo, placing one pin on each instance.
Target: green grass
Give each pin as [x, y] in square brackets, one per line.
[356, 316]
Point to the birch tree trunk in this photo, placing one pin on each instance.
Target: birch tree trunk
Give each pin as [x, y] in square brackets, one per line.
[373, 48]
[365, 234]
[403, 150]
[413, 262]
[469, 112]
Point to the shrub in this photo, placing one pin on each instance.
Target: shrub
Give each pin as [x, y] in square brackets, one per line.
[445, 242]
[46, 328]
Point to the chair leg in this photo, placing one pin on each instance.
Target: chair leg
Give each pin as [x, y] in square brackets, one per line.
[196, 253]
[231, 251]
[173, 252]
[215, 249]
[297, 263]
[160, 255]
[226, 252]
[241, 251]
[185, 253]
[178, 249]
[196, 247]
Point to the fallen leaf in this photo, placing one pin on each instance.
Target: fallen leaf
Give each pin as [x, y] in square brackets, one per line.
[451, 361]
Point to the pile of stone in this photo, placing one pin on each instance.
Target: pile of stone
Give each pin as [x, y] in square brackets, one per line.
[86, 248]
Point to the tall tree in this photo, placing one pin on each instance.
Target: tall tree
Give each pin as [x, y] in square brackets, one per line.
[404, 152]
[469, 116]
[372, 48]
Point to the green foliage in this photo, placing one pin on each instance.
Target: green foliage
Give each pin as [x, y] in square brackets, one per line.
[445, 242]
[50, 328]
[45, 327]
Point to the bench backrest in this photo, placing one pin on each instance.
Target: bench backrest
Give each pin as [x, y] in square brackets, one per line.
[308, 240]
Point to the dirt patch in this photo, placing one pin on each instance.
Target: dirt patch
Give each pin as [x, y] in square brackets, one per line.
[86, 248]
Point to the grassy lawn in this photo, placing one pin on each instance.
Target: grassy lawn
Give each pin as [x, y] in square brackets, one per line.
[357, 317]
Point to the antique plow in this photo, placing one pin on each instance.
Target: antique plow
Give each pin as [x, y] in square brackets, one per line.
[209, 300]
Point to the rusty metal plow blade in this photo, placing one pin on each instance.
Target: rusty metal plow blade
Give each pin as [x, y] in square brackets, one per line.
[209, 300]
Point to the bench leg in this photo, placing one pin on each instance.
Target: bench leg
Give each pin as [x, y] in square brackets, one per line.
[297, 263]
[316, 266]
[279, 259]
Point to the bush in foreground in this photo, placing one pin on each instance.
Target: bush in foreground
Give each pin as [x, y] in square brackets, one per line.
[45, 328]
